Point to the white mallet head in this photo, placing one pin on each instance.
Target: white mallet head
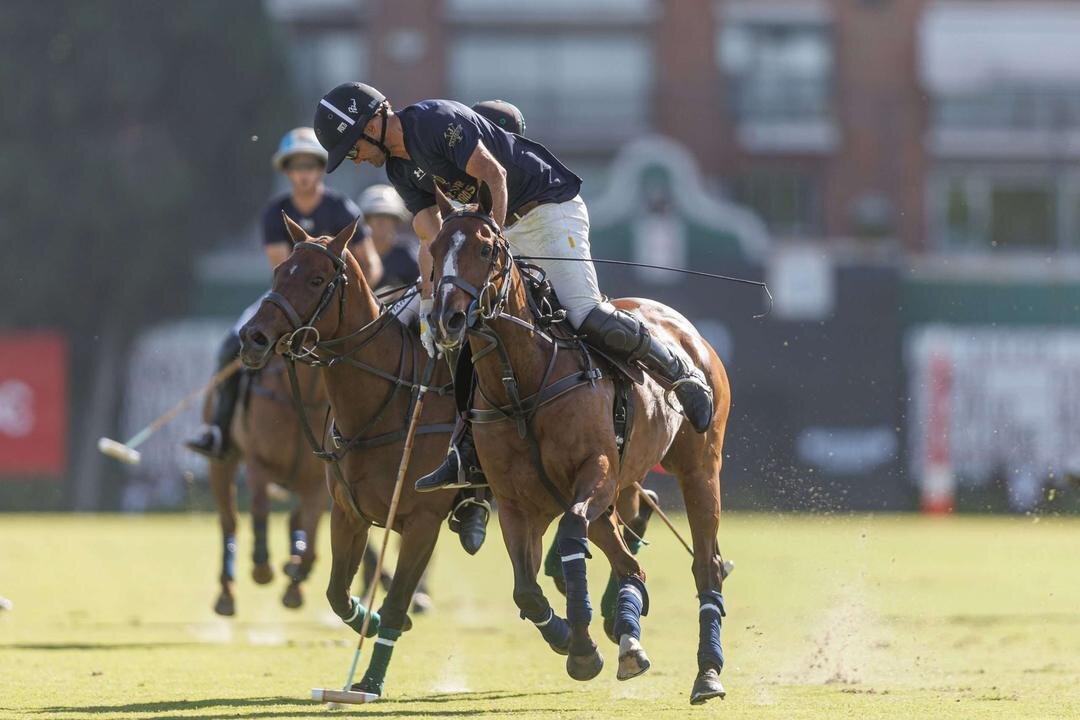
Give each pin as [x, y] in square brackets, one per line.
[119, 451]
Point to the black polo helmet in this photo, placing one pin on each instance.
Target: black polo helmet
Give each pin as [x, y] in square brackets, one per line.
[340, 118]
[503, 114]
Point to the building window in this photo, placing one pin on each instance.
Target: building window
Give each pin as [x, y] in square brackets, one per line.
[575, 90]
[1003, 209]
[322, 59]
[788, 202]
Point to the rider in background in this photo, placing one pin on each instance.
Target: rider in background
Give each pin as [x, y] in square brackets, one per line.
[385, 215]
[320, 211]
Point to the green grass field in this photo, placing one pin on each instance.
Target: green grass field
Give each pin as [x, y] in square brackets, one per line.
[862, 617]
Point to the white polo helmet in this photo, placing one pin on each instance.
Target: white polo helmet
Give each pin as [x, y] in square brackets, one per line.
[298, 141]
[383, 200]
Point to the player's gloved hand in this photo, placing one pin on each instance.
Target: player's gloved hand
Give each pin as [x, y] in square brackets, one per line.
[427, 336]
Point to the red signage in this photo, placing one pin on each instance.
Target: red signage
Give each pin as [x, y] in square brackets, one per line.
[33, 404]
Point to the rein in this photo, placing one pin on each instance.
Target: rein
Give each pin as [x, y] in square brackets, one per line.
[488, 303]
[295, 351]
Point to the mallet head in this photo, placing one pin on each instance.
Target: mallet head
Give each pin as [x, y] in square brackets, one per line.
[119, 451]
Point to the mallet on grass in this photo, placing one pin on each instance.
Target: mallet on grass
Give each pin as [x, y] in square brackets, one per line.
[356, 697]
[126, 452]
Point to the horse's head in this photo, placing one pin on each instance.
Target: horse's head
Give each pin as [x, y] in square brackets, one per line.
[308, 292]
[472, 264]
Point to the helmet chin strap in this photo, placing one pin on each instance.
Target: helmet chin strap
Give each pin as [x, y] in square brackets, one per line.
[380, 143]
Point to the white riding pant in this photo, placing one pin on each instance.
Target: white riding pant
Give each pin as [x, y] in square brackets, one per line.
[561, 230]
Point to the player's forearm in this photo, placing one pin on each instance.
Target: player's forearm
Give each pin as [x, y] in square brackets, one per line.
[484, 167]
[426, 224]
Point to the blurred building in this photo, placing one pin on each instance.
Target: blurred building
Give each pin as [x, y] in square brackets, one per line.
[947, 125]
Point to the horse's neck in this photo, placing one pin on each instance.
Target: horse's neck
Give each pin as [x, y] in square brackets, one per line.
[528, 353]
[354, 393]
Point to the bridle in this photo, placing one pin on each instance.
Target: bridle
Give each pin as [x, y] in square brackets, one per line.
[301, 328]
[295, 349]
[489, 300]
[488, 304]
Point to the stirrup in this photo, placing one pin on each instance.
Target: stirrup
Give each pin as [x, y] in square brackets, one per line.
[454, 523]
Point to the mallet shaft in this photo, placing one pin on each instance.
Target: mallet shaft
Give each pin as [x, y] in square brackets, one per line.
[140, 437]
[663, 516]
[391, 514]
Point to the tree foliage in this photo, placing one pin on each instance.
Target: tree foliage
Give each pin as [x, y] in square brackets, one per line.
[126, 149]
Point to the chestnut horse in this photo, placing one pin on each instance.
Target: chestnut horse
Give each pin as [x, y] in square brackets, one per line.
[542, 423]
[266, 438]
[322, 311]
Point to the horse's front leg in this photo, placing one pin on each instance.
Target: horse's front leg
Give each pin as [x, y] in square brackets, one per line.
[259, 481]
[347, 541]
[222, 483]
[419, 534]
[593, 493]
[523, 536]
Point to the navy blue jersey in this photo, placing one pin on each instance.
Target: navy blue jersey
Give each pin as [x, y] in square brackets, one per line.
[441, 135]
[329, 217]
[400, 264]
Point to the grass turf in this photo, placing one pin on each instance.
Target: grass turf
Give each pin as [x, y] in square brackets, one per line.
[862, 617]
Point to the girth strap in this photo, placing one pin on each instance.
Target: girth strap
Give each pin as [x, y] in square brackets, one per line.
[530, 404]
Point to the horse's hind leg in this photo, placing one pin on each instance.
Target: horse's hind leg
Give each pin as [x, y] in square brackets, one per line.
[258, 481]
[524, 543]
[222, 477]
[419, 534]
[347, 541]
[632, 598]
[701, 492]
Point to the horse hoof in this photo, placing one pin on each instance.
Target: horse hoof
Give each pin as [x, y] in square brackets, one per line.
[293, 597]
[584, 667]
[422, 603]
[262, 574]
[225, 605]
[632, 658]
[706, 687]
[726, 569]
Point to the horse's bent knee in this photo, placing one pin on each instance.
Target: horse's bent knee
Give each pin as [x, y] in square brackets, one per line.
[532, 603]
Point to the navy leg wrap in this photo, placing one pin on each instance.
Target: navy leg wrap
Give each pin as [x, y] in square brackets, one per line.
[573, 549]
[298, 542]
[709, 619]
[553, 628]
[261, 554]
[228, 558]
[633, 603]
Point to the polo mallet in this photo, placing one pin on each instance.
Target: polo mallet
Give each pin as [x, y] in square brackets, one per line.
[356, 697]
[126, 452]
[727, 565]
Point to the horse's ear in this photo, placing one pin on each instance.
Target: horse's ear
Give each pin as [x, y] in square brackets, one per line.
[484, 201]
[296, 233]
[343, 238]
[445, 208]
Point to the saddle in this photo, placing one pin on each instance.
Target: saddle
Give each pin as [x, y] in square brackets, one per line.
[550, 316]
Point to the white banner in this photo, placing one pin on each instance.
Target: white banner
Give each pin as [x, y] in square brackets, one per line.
[988, 401]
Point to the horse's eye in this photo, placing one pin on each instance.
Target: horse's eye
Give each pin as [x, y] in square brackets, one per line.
[485, 250]
[316, 282]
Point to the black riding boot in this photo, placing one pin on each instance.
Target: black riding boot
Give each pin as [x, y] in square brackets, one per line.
[213, 440]
[470, 516]
[624, 336]
[461, 468]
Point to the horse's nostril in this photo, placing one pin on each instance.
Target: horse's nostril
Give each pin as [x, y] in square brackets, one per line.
[257, 339]
[456, 322]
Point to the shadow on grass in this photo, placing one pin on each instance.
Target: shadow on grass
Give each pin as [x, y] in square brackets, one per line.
[383, 708]
[97, 646]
